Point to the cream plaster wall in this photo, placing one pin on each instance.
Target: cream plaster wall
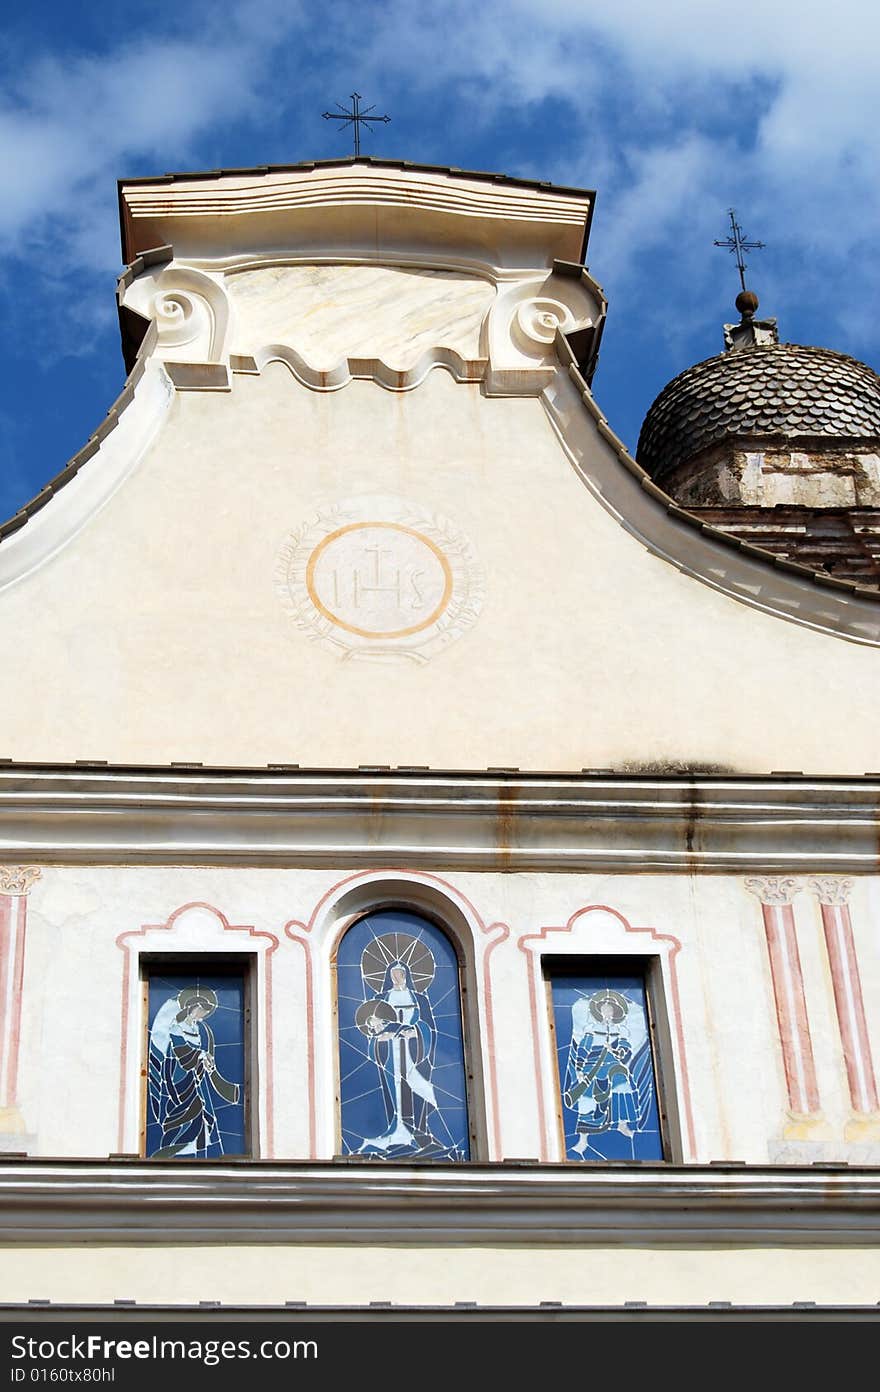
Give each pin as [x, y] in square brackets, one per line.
[725, 1070]
[440, 1275]
[159, 632]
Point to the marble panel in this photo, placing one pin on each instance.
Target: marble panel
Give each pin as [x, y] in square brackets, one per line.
[327, 313]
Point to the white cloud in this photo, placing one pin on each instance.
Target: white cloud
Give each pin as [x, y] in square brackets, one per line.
[70, 126]
[76, 123]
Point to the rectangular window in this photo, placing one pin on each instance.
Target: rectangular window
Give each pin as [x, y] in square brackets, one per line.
[602, 1024]
[197, 1025]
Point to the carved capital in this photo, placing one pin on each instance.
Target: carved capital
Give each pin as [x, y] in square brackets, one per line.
[830, 889]
[519, 335]
[773, 889]
[18, 879]
[190, 309]
[181, 317]
[534, 324]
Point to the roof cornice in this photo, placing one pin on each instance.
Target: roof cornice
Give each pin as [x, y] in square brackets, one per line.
[218, 212]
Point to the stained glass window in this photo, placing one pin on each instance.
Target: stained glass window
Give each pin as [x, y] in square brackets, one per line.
[401, 1053]
[196, 1060]
[607, 1079]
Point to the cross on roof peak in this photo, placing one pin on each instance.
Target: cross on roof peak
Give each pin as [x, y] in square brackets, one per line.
[737, 244]
[355, 117]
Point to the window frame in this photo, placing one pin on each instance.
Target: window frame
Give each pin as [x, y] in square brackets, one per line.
[470, 1030]
[649, 967]
[242, 966]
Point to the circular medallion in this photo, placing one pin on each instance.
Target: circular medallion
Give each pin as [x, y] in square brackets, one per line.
[380, 577]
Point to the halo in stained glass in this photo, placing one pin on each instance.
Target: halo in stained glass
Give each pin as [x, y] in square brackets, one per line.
[379, 954]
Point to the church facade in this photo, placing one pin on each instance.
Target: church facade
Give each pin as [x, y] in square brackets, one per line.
[439, 850]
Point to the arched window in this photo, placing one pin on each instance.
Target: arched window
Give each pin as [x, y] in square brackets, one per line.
[403, 1093]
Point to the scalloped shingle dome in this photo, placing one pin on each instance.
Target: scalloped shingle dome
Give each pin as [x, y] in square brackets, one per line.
[786, 390]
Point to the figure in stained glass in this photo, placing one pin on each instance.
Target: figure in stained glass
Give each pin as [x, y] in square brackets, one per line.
[185, 1083]
[399, 1025]
[403, 1084]
[606, 1070]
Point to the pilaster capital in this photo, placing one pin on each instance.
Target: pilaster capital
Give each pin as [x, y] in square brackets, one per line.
[773, 890]
[18, 879]
[831, 890]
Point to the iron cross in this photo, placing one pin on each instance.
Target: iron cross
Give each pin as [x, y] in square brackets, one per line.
[738, 244]
[355, 118]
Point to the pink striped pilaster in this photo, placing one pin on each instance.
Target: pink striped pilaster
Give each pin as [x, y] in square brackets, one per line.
[15, 883]
[776, 894]
[833, 894]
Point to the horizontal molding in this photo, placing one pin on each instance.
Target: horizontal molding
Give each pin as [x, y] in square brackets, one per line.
[300, 1312]
[350, 369]
[160, 1203]
[407, 819]
[351, 205]
[353, 185]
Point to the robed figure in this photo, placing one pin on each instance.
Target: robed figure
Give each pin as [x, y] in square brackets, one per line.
[183, 1076]
[607, 1083]
[402, 1041]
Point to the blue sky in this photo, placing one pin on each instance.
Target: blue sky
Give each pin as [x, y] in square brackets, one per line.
[673, 112]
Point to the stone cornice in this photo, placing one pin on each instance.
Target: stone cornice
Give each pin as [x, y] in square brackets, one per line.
[355, 201]
[483, 821]
[140, 1202]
